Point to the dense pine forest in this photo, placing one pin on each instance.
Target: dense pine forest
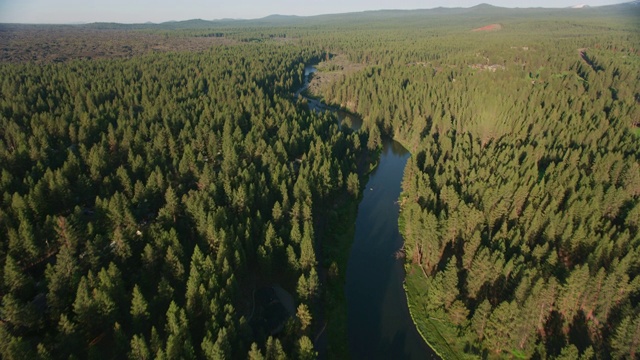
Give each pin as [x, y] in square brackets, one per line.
[521, 202]
[144, 200]
[155, 177]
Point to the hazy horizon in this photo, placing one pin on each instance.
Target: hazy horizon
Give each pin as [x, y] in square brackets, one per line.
[128, 12]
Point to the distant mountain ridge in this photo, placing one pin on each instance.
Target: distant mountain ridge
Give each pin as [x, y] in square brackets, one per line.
[480, 8]
[281, 19]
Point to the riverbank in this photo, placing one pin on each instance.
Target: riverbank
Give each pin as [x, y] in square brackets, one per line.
[428, 328]
[338, 231]
[336, 250]
[336, 226]
[380, 322]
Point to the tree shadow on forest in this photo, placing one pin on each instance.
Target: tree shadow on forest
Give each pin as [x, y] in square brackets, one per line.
[579, 332]
[556, 338]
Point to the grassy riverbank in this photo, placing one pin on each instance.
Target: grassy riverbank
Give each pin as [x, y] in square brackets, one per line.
[432, 329]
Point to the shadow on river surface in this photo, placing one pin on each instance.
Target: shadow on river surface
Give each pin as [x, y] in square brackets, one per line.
[379, 322]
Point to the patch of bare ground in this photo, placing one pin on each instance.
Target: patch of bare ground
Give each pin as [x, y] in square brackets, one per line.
[485, 67]
[491, 27]
[331, 70]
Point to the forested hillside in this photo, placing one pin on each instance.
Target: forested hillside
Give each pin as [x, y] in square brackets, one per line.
[521, 202]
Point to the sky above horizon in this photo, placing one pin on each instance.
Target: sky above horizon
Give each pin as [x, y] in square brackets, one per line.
[140, 11]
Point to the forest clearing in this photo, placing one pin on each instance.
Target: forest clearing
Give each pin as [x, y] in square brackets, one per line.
[492, 27]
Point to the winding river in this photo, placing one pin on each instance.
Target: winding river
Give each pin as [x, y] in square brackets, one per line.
[380, 326]
[350, 120]
[379, 323]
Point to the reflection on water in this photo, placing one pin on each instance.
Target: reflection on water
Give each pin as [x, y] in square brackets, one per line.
[380, 326]
[398, 149]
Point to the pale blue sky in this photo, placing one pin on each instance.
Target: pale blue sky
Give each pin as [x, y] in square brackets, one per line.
[139, 11]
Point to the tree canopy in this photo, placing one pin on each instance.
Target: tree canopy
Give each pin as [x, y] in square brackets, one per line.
[149, 184]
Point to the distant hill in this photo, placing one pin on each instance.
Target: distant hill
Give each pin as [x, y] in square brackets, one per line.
[490, 12]
[387, 15]
[484, 6]
[280, 17]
